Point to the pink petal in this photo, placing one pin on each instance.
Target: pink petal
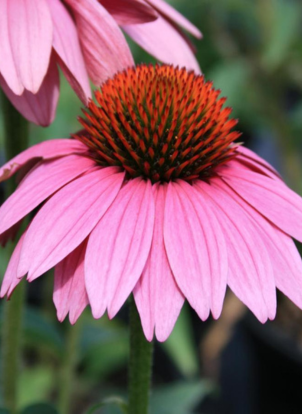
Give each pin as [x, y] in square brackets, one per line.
[285, 258]
[251, 155]
[118, 248]
[45, 179]
[174, 15]
[129, 11]
[104, 46]
[67, 46]
[186, 249]
[248, 163]
[67, 219]
[271, 198]
[250, 270]
[156, 294]
[39, 108]
[10, 280]
[161, 40]
[45, 150]
[69, 288]
[30, 34]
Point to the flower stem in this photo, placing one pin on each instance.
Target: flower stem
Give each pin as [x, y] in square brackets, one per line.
[140, 365]
[68, 367]
[15, 137]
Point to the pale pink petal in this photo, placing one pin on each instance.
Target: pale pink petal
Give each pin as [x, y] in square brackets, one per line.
[104, 47]
[8, 67]
[44, 180]
[39, 108]
[285, 258]
[250, 270]
[129, 11]
[174, 15]
[45, 150]
[251, 155]
[187, 251]
[10, 280]
[161, 40]
[271, 198]
[67, 46]
[248, 163]
[156, 294]
[118, 248]
[69, 285]
[66, 219]
[30, 34]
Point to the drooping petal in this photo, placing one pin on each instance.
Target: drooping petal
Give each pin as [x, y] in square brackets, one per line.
[118, 248]
[45, 150]
[67, 46]
[30, 34]
[250, 164]
[66, 220]
[285, 258]
[129, 11]
[186, 249]
[250, 270]
[156, 294]
[39, 108]
[174, 15]
[161, 40]
[271, 198]
[10, 280]
[104, 47]
[69, 285]
[45, 179]
[251, 155]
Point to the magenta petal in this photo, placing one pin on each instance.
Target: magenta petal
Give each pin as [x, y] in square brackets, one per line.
[118, 248]
[39, 108]
[10, 280]
[250, 270]
[69, 285]
[285, 258]
[250, 155]
[174, 15]
[104, 47]
[272, 198]
[45, 179]
[30, 34]
[67, 219]
[67, 46]
[187, 250]
[244, 163]
[46, 150]
[156, 294]
[161, 40]
[129, 11]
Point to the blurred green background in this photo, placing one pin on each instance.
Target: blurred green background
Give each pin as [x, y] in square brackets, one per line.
[252, 50]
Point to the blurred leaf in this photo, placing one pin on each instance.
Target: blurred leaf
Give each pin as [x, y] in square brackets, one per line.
[40, 409]
[179, 398]
[282, 19]
[4, 411]
[180, 345]
[114, 405]
[109, 336]
[35, 384]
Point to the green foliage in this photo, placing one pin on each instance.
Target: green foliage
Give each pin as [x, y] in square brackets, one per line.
[40, 409]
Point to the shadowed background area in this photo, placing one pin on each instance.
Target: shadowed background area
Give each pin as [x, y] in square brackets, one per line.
[252, 50]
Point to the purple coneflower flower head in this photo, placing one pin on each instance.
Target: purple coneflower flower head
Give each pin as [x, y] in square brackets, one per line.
[154, 197]
[84, 39]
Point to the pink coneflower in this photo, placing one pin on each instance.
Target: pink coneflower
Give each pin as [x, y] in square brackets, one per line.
[84, 39]
[153, 197]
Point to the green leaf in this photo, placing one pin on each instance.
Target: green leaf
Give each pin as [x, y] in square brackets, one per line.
[40, 408]
[180, 345]
[116, 403]
[179, 398]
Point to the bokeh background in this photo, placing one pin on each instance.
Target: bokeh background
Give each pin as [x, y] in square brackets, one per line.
[252, 50]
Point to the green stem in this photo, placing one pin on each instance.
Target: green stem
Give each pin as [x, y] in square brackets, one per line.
[16, 136]
[140, 365]
[68, 367]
